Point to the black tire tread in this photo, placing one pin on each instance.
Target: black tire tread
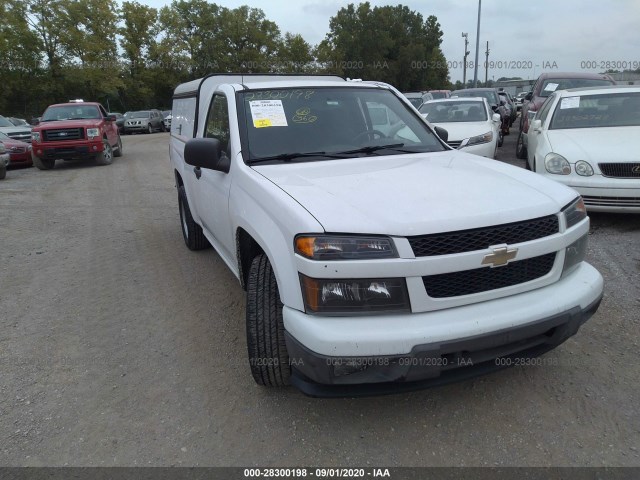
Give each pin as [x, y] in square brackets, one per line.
[268, 357]
[195, 239]
[42, 164]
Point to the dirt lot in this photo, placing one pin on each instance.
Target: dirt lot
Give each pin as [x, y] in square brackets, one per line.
[121, 347]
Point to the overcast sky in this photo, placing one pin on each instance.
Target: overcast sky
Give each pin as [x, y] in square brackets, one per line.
[525, 36]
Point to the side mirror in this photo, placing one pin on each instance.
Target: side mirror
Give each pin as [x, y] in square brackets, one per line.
[35, 121]
[111, 118]
[495, 117]
[206, 153]
[528, 96]
[536, 125]
[494, 107]
[442, 133]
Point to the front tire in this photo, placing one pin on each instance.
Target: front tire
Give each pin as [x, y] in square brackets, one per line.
[105, 157]
[192, 233]
[268, 356]
[43, 163]
[149, 129]
[3, 171]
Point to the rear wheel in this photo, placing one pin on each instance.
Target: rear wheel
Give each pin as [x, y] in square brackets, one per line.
[43, 163]
[192, 233]
[105, 157]
[521, 150]
[268, 356]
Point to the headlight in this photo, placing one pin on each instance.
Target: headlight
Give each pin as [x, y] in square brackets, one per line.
[93, 132]
[477, 140]
[35, 136]
[583, 168]
[575, 212]
[354, 296]
[336, 247]
[557, 164]
[575, 254]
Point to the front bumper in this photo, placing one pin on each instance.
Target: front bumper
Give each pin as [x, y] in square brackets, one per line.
[135, 128]
[604, 194]
[60, 150]
[367, 355]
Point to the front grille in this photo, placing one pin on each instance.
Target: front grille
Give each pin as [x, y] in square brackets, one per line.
[595, 201]
[454, 144]
[620, 170]
[22, 136]
[60, 134]
[467, 282]
[18, 149]
[481, 238]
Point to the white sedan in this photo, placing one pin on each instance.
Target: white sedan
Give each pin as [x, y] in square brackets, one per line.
[587, 139]
[471, 124]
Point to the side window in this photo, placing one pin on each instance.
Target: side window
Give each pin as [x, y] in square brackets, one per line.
[544, 110]
[103, 112]
[218, 122]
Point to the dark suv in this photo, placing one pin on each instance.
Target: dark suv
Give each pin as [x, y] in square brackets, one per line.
[546, 84]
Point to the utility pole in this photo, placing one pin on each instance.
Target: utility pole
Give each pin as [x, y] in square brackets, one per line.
[486, 67]
[475, 71]
[466, 54]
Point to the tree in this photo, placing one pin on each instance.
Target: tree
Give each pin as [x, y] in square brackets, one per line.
[390, 43]
[295, 55]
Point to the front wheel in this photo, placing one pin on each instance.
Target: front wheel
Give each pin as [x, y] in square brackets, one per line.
[268, 356]
[3, 171]
[500, 138]
[43, 163]
[105, 157]
[149, 129]
[118, 151]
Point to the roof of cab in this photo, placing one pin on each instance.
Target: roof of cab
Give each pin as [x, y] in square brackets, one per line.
[251, 80]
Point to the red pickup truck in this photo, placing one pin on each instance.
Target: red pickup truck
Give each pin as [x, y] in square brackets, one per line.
[75, 130]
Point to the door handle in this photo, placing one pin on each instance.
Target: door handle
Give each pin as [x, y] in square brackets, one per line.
[198, 172]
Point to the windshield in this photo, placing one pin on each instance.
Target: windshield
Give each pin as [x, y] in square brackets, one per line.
[5, 123]
[550, 85]
[446, 112]
[331, 123]
[142, 114]
[491, 97]
[415, 101]
[71, 112]
[592, 111]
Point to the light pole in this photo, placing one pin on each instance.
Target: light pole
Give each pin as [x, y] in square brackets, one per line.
[486, 66]
[475, 71]
[466, 54]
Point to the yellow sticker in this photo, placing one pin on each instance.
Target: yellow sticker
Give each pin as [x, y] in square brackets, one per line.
[264, 122]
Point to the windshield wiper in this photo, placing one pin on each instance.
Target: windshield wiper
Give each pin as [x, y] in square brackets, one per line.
[375, 148]
[287, 157]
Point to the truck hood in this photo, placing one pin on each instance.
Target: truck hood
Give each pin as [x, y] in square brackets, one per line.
[88, 123]
[417, 194]
[612, 144]
[13, 130]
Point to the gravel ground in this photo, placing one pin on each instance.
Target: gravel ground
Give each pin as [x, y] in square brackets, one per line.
[121, 347]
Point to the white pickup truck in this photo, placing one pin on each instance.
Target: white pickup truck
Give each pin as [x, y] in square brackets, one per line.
[374, 257]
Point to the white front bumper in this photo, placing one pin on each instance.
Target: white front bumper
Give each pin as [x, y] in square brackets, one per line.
[398, 334]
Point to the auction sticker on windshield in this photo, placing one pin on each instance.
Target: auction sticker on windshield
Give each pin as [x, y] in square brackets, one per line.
[268, 113]
[570, 102]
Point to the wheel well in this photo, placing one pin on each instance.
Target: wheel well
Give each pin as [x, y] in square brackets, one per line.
[179, 182]
[246, 250]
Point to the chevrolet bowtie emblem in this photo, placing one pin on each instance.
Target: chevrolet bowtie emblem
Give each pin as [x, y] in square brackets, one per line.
[500, 256]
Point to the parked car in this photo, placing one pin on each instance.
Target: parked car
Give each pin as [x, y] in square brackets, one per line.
[119, 121]
[144, 121]
[372, 261]
[439, 94]
[519, 99]
[470, 123]
[22, 133]
[418, 98]
[587, 139]
[19, 152]
[18, 122]
[167, 119]
[75, 130]
[4, 161]
[493, 98]
[513, 111]
[545, 85]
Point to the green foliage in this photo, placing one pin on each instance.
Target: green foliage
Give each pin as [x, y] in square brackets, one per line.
[132, 56]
